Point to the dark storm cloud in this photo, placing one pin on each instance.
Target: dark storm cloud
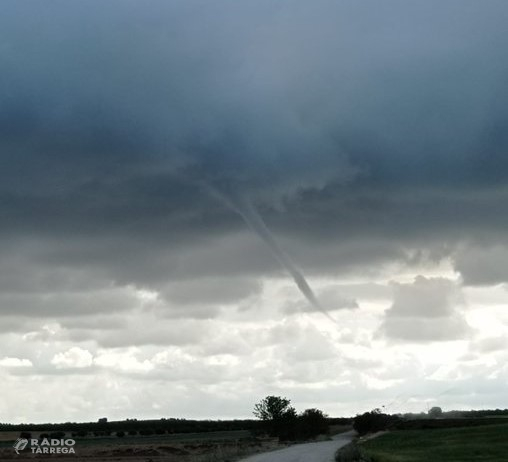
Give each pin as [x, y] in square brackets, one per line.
[484, 264]
[186, 333]
[363, 132]
[211, 291]
[65, 304]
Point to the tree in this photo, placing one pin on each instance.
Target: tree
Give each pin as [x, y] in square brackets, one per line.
[435, 412]
[279, 416]
[272, 408]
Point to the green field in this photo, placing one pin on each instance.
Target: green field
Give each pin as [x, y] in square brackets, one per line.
[484, 443]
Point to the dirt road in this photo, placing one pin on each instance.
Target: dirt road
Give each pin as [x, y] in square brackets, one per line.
[308, 452]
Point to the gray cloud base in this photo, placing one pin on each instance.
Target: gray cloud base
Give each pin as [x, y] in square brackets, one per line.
[114, 117]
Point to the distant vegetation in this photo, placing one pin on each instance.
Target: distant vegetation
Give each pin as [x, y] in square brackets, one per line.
[437, 412]
[429, 424]
[285, 423]
[136, 427]
[376, 420]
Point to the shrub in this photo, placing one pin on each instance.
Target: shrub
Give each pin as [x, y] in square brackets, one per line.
[311, 423]
[373, 421]
[120, 434]
[435, 412]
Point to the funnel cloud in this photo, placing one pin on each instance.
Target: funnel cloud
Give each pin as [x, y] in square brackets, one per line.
[254, 221]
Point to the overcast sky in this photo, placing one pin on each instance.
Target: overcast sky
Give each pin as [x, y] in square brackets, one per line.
[369, 136]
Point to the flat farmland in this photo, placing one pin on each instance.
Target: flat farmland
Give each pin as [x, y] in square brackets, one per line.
[184, 447]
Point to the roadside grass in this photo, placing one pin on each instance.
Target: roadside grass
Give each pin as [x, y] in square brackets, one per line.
[486, 443]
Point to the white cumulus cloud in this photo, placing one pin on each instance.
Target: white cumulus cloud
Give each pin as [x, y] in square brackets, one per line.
[74, 357]
[15, 362]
